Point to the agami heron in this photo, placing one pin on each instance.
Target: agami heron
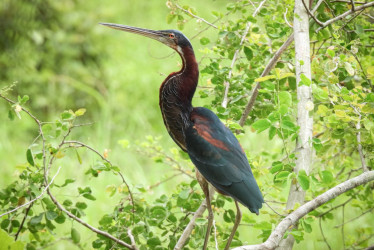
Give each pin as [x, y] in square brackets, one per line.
[212, 147]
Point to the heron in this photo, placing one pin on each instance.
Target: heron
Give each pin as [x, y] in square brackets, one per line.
[212, 147]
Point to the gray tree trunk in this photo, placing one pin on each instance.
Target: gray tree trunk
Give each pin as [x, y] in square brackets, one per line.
[304, 106]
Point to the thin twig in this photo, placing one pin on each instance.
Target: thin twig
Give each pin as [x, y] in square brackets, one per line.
[132, 239]
[335, 207]
[353, 5]
[355, 218]
[285, 18]
[342, 230]
[163, 181]
[345, 1]
[226, 83]
[310, 14]
[258, 8]
[197, 17]
[23, 221]
[108, 161]
[36, 198]
[337, 18]
[323, 235]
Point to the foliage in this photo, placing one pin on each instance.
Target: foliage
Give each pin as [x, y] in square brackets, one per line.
[343, 111]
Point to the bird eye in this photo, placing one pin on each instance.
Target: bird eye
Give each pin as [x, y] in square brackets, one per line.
[171, 35]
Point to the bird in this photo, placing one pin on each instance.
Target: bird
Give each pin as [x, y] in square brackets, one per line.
[212, 147]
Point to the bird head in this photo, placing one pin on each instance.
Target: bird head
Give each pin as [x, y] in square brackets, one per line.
[172, 38]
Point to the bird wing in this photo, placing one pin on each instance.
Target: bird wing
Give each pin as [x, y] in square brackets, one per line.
[218, 156]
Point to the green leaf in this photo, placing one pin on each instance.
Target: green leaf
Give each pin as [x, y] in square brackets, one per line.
[105, 220]
[348, 67]
[248, 53]
[154, 241]
[23, 100]
[276, 166]
[303, 180]
[80, 112]
[11, 114]
[184, 194]
[285, 98]
[30, 158]
[89, 197]
[204, 40]
[60, 219]
[264, 78]
[170, 18]
[304, 80]
[288, 125]
[282, 175]
[7, 242]
[229, 216]
[5, 223]
[81, 205]
[36, 219]
[261, 125]
[99, 166]
[67, 203]
[67, 115]
[75, 236]
[326, 176]
[51, 215]
[317, 145]
[67, 181]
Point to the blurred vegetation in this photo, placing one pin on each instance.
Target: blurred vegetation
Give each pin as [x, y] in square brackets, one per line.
[57, 54]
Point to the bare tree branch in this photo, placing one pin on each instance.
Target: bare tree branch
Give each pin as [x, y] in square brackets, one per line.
[277, 235]
[337, 18]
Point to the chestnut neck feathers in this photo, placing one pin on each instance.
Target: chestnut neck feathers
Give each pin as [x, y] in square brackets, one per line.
[176, 93]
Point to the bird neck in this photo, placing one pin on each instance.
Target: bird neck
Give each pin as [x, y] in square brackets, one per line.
[176, 93]
[189, 74]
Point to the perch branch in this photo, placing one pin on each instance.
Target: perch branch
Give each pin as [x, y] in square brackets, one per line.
[277, 235]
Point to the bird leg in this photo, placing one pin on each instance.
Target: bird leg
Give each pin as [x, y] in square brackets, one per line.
[237, 222]
[208, 196]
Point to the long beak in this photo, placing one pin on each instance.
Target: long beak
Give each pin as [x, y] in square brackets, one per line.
[154, 34]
